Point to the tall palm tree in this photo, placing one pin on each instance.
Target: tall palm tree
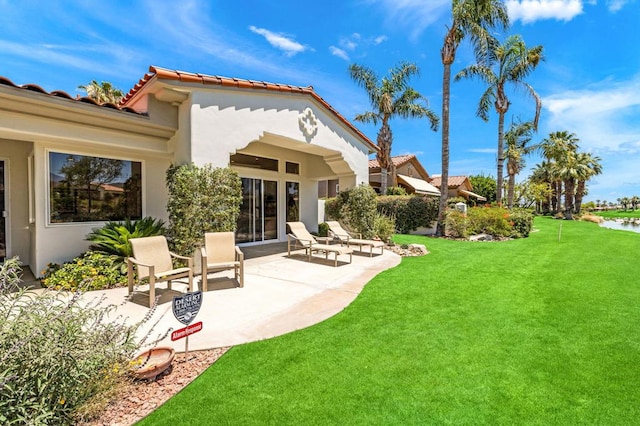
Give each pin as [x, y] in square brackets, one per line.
[556, 148]
[516, 140]
[510, 63]
[390, 96]
[104, 92]
[592, 167]
[570, 170]
[475, 19]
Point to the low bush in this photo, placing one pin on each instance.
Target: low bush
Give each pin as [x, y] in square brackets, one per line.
[409, 212]
[56, 354]
[356, 207]
[384, 227]
[323, 229]
[396, 190]
[91, 271]
[499, 222]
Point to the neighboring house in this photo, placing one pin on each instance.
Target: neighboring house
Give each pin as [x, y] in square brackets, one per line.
[459, 186]
[409, 175]
[281, 139]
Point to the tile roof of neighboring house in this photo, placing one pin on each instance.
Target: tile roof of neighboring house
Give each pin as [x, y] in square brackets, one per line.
[64, 95]
[454, 181]
[397, 160]
[188, 77]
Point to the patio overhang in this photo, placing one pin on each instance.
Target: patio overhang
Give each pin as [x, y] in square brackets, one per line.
[472, 194]
[420, 186]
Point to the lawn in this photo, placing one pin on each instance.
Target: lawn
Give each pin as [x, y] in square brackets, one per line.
[542, 330]
[613, 214]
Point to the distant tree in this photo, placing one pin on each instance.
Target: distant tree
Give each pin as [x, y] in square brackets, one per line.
[390, 96]
[635, 200]
[516, 140]
[591, 167]
[485, 186]
[509, 63]
[103, 92]
[476, 19]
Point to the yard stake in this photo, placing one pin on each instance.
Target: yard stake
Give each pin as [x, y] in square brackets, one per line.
[559, 231]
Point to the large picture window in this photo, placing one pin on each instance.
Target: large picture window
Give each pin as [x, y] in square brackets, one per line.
[89, 189]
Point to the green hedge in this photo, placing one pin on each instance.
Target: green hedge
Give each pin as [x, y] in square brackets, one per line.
[410, 212]
[499, 222]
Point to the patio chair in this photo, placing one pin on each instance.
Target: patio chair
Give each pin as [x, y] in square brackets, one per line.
[301, 238]
[339, 233]
[152, 259]
[220, 253]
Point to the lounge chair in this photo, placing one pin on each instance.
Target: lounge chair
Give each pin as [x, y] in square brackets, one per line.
[339, 233]
[220, 253]
[152, 259]
[301, 238]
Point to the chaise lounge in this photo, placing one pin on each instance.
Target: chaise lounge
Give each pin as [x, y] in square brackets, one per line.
[302, 238]
[340, 234]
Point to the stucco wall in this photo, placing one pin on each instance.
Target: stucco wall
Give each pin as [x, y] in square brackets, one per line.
[15, 154]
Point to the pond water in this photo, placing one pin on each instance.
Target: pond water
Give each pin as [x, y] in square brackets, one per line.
[625, 226]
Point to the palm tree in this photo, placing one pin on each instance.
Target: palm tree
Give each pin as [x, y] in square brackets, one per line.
[556, 148]
[570, 170]
[592, 167]
[511, 63]
[543, 173]
[476, 19]
[390, 96]
[103, 92]
[635, 200]
[516, 140]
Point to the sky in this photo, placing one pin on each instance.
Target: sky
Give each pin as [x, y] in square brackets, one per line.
[589, 82]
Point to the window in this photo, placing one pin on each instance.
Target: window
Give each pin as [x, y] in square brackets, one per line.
[293, 201]
[254, 162]
[89, 189]
[293, 168]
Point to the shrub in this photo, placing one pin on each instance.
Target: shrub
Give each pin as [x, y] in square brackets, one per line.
[396, 190]
[522, 220]
[332, 208]
[91, 271]
[323, 229]
[55, 353]
[498, 222]
[409, 212]
[384, 227]
[456, 224]
[113, 238]
[201, 199]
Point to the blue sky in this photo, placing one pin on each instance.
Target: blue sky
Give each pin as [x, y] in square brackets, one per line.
[589, 82]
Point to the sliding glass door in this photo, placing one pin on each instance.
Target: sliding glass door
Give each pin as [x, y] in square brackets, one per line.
[258, 220]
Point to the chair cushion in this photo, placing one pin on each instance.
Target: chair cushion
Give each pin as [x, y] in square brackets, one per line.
[172, 272]
[222, 265]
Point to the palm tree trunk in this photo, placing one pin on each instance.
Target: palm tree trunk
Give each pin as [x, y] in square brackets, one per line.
[569, 185]
[444, 185]
[384, 156]
[511, 190]
[579, 196]
[499, 178]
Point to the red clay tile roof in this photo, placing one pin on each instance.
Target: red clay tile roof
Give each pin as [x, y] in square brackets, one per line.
[398, 161]
[60, 94]
[454, 181]
[187, 77]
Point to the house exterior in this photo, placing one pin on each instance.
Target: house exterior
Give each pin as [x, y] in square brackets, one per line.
[69, 164]
[409, 174]
[459, 186]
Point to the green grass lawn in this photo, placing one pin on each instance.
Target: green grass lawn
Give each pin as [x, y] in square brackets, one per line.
[534, 331]
[612, 214]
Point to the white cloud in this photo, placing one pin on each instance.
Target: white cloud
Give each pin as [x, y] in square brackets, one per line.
[415, 15]
[335, 51]
[606, 118]
[533, 10]
[483, 150]
[380, 39]
[615, 5]
[279, 41]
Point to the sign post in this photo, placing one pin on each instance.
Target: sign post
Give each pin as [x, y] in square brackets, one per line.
[185, 308]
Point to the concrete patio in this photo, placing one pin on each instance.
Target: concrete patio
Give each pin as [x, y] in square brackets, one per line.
[280, 295]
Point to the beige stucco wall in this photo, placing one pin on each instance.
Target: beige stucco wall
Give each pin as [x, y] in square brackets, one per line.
[15, 154]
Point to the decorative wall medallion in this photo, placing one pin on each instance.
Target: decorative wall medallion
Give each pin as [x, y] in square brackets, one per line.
[308, 123]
